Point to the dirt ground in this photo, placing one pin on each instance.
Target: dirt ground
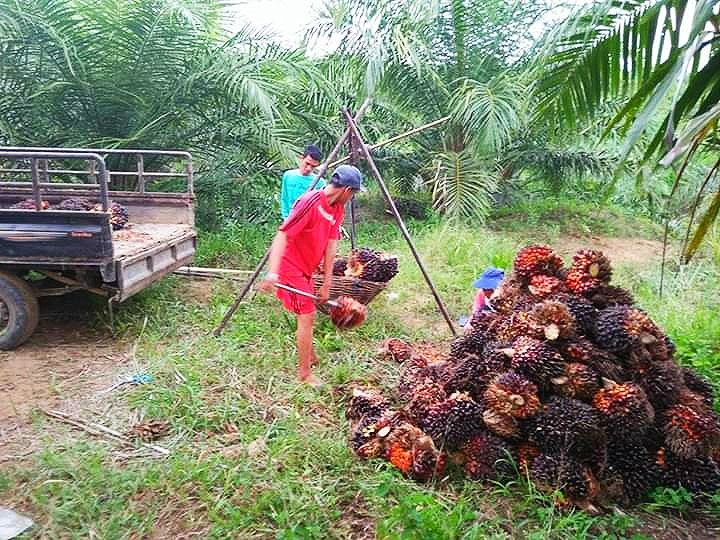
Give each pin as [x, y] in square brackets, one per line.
[619, 250]
[65, 360]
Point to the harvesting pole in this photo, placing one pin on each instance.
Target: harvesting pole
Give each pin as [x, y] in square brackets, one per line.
[365, 150]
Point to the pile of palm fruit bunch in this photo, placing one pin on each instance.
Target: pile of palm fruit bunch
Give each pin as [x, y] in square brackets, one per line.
[367, 264]
[566, 380]
[118, 213]
[29, 204]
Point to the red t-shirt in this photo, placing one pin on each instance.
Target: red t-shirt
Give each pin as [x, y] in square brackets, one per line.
[311, 223]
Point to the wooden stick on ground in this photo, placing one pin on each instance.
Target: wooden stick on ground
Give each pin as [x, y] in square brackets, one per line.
[100, 430]
[217, 273]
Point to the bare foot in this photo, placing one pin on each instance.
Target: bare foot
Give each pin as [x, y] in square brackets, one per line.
[312, 380]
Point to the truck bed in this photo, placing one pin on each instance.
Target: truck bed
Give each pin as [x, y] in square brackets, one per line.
[145, 252]
[144, 237]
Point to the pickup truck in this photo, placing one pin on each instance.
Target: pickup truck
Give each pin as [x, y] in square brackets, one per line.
[46, 251]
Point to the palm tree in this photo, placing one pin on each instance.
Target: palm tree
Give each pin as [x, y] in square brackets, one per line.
[659, 61]
[153, 73]
[468, 59]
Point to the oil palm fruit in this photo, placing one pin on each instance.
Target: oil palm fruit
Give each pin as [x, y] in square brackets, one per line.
[535, 260]
[552, 320]
[486, 457]
[543, 286]
[512, 394]
[536, 360]
[625, 409]
[366, 402]
[609, 295]
[573, 479]
[29, 204]
[75, 205]
[396, 349]
[452, 422]
[579, 381]
[691, 433]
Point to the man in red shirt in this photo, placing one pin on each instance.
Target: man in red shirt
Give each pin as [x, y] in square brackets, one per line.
[308, 236]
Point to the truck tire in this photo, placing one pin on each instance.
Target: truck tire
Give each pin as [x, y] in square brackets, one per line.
[19, 311]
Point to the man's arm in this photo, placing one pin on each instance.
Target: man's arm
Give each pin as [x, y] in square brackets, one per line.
[330, 251]
[276, 252]
[284, 198]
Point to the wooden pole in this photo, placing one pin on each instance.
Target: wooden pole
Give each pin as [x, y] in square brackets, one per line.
[376, 173]
[263, 261]
[395, 139]
[353, 161]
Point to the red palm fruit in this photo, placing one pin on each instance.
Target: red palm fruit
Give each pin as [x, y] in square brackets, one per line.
[486, 457]
[581, 283]
[592, 263]
[29, 204]
[691, 433]
[511, 393]
[349, 313]
[413, 373]
[536, 360]
[537, 259]
[401, 457]
[582, 311]
[366, 402]
[662, 382]
[552, 320]
[503, 425]
[526, 453]
[427, 461]
[553, 473]
[625, 409]
[423, 397]
[579, 381]
[543, 286]
[699, 385]
[513, 326]
[452, 422]
[339, 266]
[396, 349]
[619, 328]
[510, 293]
[484, 322]
[608, 295]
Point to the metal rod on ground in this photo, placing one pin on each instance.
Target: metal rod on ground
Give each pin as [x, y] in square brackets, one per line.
[395, 138]
[259, 268]
[376, 173]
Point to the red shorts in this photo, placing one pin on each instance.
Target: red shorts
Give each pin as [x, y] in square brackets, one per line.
[293, 302]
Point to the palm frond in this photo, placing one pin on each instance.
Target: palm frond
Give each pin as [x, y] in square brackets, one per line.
[462, 187]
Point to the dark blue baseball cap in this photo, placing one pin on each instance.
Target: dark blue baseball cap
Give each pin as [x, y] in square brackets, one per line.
[490, 279]
[348, 176]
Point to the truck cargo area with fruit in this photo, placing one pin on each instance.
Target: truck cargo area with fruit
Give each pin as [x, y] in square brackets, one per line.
[86, 219]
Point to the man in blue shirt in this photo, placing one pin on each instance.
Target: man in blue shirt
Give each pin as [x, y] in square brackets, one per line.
[297, 181]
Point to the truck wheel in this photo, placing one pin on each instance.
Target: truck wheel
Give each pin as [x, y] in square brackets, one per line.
[19, 311]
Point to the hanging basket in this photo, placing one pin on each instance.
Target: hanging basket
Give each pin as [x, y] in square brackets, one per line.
[361, 290]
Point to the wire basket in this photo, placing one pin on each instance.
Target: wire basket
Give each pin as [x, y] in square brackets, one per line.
[361, 290]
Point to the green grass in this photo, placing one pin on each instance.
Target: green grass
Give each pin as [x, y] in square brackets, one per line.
[284, 469]
[559, 216]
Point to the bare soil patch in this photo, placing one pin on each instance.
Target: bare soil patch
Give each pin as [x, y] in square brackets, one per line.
[56, 362]
[620, 250]
[65, 360]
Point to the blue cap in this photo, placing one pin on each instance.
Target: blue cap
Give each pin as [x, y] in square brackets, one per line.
[348, 176]
[490, 279]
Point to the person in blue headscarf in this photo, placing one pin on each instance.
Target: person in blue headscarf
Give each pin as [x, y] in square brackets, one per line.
[486, 285]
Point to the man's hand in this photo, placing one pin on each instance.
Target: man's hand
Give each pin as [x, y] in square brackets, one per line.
[324, 292]
[268, 283]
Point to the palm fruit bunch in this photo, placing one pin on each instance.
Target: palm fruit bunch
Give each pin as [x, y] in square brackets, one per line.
[543, 286]
[413, 373]
[512, 394]
[609, 295]
[568, 426]
[29, 204]
[575, 480]
[77, 204]
[413, 453]
[632, 470]
[552, 320]
[472, 343]
[424, 395]
[582, 311]
[700, 386]
[691, 432]
[396, 349]
[510, 295]
[625, 409]
[364, 402]
[348, 313]
[589, 270]
[535, 359]
[484, 322]
[118, 215]
[579, 381]
[566, 376]
[453, 421]
[339, 266]
[150, 430]
[371, 265]
[537, 260]
[486, 457]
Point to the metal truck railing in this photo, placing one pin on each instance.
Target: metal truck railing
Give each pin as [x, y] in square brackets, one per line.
[143, 177]
[38, 166]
